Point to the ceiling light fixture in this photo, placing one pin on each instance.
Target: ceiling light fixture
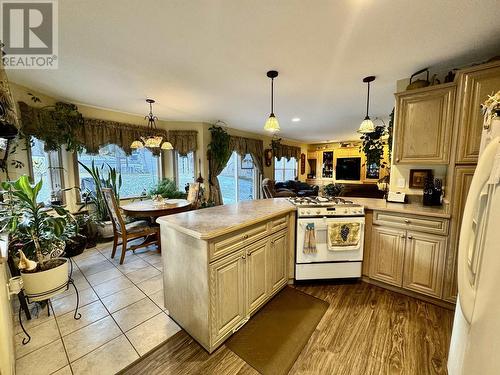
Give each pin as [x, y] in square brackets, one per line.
[295, 119]
[272, 125]
[151, 140]
[367, 125]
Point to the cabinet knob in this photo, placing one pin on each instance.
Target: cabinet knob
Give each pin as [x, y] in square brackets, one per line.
[403, 236]
[243, 257]
[245, 236]
[410, 237]
[407, 221]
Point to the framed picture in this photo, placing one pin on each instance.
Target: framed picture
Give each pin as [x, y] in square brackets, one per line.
[418, 178]
[247, 162]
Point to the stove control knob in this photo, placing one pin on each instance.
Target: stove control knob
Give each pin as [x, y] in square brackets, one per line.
[308, 212]
[346, 211]
[318, 212]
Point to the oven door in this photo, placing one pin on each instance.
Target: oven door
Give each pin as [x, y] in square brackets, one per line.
[323, 254]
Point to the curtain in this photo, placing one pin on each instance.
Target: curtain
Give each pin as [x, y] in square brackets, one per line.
[287, 152]
[96, 133]
[215, 168]
[254, 147]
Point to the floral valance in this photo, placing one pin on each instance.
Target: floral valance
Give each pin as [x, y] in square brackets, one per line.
[254, 147]
[287, 152]
[95, 133]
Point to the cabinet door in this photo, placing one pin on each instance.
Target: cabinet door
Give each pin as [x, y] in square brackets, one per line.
[277, 261]
[257, 269]
[462, 181]
[227, 286]
[423, 125]
[424, 260]
[387, 255]
[475, 84]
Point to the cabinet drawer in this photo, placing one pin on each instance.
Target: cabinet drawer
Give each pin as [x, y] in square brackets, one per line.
[233, 241]
[425, 224]
[278, 224]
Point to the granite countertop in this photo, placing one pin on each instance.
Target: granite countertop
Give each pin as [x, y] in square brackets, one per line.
[413, 208]
[212, 222]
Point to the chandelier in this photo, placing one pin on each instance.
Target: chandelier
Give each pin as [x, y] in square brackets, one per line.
[151, 141]
[367, 125]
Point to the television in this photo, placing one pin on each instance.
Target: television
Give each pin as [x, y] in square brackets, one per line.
[348, 169]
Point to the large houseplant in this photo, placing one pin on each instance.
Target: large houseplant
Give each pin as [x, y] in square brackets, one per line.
[95, 196]
[39, 234]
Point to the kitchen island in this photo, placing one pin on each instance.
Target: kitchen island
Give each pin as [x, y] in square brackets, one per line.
[222, 264]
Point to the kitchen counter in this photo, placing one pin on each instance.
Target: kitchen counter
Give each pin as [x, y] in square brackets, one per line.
[213, 222]
[408, 208]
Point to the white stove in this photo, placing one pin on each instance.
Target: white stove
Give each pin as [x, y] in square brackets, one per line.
[327, 261]
[326, 207]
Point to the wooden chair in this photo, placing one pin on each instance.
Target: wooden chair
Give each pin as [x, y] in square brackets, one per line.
[128, 232]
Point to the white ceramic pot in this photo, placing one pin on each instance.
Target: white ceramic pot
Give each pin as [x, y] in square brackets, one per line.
[37, 284]
[105, 229]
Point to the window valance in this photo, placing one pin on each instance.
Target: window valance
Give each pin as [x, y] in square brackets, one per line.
[254, 147]
[95, 133]
[287, 152]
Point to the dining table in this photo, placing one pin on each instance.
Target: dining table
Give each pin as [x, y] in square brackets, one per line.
[153, 209]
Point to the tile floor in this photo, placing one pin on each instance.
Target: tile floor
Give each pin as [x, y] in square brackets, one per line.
[123, 317]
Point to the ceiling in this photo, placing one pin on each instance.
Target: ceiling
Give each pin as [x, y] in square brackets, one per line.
[207, 60]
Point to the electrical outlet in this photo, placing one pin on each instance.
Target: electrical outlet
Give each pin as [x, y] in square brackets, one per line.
[401, 183]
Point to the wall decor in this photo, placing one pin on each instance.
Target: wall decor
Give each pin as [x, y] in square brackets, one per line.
[302, 163]
[418, 177]
[268, 157]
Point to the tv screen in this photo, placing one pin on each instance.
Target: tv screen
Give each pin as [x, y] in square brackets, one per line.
[348, 169]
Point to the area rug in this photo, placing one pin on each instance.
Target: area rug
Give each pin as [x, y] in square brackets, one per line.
[272, 340]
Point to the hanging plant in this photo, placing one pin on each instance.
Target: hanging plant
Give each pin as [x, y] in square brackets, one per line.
[390, 130]
[58, 125]
[275, 145]
[373, 147]
[218, 149]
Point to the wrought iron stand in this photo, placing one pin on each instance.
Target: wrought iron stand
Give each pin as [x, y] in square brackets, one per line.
[39, 297]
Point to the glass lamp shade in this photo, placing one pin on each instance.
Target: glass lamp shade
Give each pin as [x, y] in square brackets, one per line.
[167, 146]
[366, 126]
[137, 144]
[272, 124]
[153, 141]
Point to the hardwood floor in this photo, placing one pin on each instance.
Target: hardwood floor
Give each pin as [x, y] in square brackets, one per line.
[366, 330]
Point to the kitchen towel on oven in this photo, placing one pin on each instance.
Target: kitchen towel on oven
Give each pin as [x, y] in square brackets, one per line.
[309, 239]
[343, 234]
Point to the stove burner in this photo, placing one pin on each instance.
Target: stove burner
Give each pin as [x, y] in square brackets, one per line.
[318, 201]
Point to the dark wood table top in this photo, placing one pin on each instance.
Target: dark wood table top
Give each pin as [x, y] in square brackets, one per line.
[148, 208]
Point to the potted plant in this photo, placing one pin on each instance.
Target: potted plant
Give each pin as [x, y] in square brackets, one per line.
[167, 189]
[39, 235]
[95, 197]
[333, 190]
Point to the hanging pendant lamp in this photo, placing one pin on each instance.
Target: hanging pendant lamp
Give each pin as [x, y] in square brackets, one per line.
[272, 125]
[151, 140]
[367, 126]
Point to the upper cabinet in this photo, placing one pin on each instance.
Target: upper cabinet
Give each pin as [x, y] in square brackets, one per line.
[424, 119]
[475, 84]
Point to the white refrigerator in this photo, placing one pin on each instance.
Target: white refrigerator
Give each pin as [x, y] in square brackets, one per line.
[475, 340]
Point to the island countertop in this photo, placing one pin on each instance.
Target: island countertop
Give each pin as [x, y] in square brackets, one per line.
[212, 222]
[414, 208]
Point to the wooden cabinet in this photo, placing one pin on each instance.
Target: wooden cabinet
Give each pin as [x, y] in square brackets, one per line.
[402, 256]
[257, 274]
[462, 180]
[228, 294]
[423, 126]
[387, 255]
[424, 261]
[475, 84]
[277, 261]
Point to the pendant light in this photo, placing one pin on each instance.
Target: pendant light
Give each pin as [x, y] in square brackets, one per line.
[151, 141]
[367, 125]
[272, 124]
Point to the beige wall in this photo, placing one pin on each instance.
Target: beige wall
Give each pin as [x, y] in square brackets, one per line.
[20, 93]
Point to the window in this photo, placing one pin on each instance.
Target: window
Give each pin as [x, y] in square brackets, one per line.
[184, 170]
[45, 166]
[140, 171]
[236, 183]
[285, 170]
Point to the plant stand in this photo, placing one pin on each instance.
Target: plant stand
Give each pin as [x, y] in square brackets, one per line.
[39, 297]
